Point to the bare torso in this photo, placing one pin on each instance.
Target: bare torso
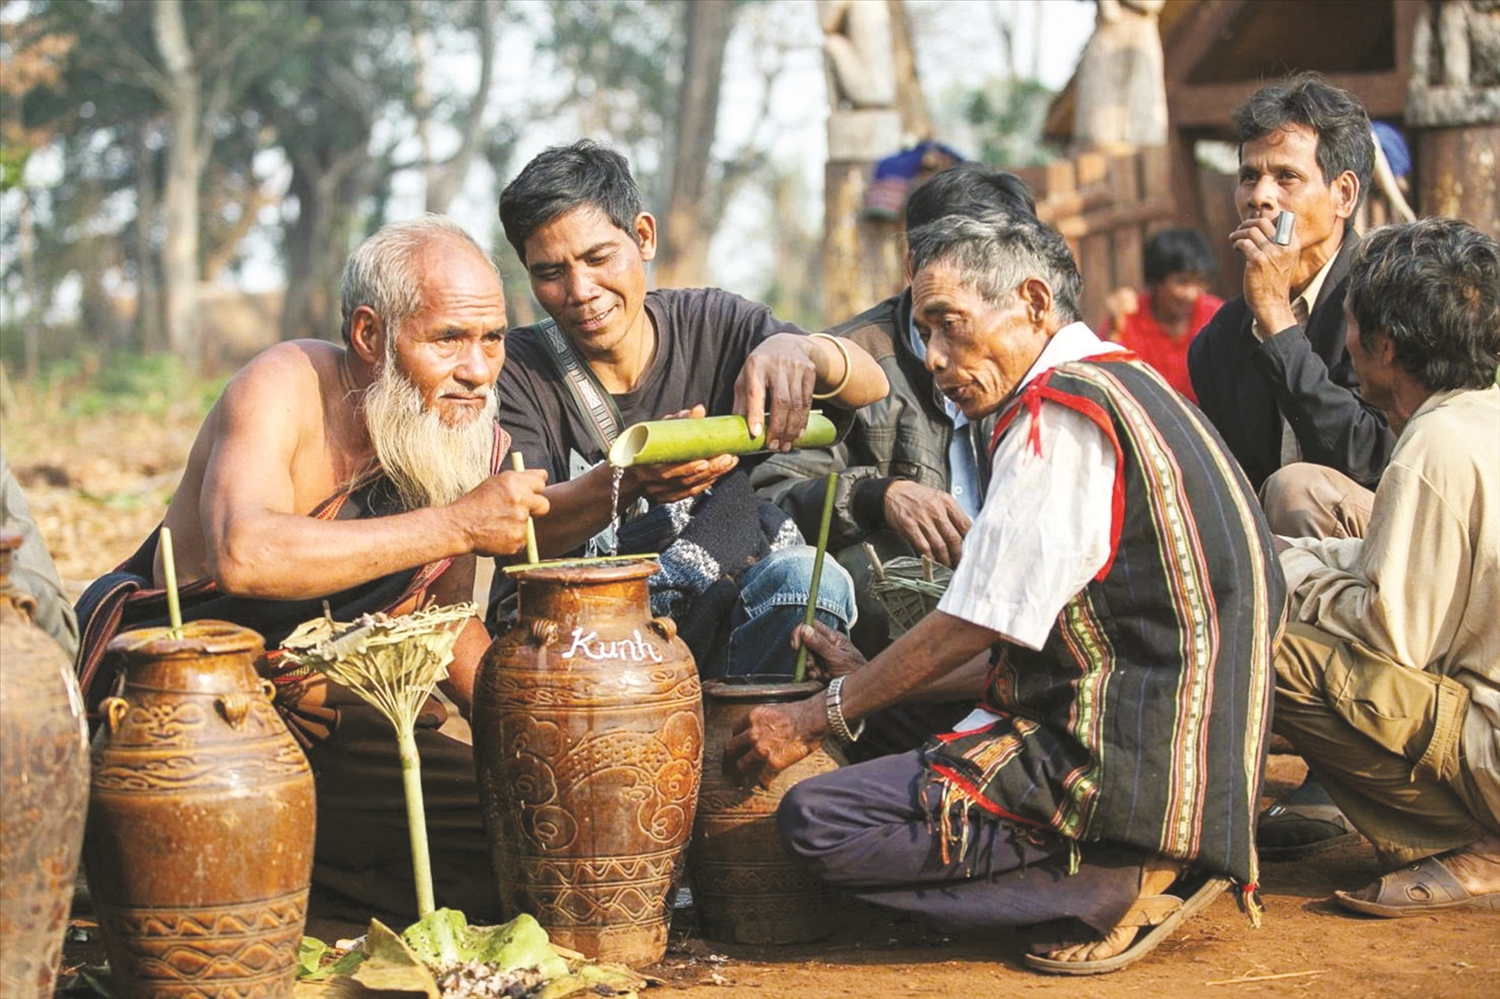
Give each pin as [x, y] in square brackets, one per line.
[318, 427]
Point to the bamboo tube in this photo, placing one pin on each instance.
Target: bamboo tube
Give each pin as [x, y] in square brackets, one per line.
[817, 576]
[658, 441]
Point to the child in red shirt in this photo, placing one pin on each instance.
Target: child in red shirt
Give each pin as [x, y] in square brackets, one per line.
[1160, 322]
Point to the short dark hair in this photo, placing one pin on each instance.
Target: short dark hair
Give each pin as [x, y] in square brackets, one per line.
[996, 250]
[1335, 116]
[1433, 288]
[1177, 251]
[560, 179]
[968, 189]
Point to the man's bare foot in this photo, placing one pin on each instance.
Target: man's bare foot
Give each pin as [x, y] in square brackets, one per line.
[1476, 866]
[1157, 876]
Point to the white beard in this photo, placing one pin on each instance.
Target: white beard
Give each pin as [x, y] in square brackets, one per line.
[429, 462]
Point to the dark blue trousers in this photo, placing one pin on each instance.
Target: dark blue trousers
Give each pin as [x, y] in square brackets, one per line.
[872, 830]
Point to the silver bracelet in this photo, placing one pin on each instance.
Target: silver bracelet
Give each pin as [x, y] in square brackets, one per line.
[836, 723]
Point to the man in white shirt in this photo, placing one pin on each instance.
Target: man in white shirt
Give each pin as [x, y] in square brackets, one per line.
[1120, 580]
[1388, 681]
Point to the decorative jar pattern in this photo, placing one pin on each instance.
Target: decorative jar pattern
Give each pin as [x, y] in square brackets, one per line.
[200, 834]
[588, 740]
[44, 793]
[746, 887]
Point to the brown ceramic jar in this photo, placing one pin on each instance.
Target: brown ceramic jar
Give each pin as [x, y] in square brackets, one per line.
[44, 793]
[200, 834]
[746, 887]
[588, 741]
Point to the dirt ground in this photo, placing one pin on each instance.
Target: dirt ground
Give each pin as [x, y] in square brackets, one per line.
[99, 484]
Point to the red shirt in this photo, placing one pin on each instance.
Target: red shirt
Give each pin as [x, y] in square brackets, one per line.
[1154, 345]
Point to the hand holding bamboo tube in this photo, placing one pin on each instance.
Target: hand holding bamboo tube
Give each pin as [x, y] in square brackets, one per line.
[668, 441]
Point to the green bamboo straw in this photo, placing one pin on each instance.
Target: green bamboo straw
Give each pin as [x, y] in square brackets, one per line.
[812, 592]
[519, 464]
[658, 441]
[169, 569]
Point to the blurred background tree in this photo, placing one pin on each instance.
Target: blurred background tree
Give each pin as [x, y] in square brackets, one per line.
[187, 176]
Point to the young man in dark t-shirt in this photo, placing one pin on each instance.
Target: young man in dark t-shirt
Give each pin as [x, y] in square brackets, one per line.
[734, 570]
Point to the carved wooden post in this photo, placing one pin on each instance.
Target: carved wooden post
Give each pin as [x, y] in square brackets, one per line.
[859, 257]
[1453, 104]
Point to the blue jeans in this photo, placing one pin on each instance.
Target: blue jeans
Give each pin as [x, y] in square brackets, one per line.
[772, 601]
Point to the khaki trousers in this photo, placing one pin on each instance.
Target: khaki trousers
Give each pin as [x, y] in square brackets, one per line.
[1384, 739]
[1303, 500]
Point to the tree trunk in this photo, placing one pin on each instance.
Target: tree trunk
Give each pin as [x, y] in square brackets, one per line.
[302, 309]
[916, 123]
[317, 242]
[683, 248]
[148, 332]
[179, 258]
[31, 329]
[446, 180]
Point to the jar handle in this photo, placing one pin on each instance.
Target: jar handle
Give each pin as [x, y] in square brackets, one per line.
[544, 631]
[268, 690]
[114, 709]
[665, 627]
[234, 706]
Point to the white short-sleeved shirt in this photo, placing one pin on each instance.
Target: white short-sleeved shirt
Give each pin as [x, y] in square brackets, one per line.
[1044, 529]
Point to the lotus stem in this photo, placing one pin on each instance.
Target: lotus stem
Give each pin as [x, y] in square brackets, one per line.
[829, 491]
[416, 820]
[169, 569]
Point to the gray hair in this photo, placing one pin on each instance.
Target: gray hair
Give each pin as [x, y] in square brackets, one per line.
[382, 274]
[995, 251]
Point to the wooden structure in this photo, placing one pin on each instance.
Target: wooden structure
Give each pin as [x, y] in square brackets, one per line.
[1106, 206]
[1219, 52]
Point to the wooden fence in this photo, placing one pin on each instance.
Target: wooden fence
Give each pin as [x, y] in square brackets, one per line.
[1106, 206]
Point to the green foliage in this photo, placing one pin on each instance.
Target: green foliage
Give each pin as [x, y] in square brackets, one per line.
[312, 952]
[148, 384]
[445, 938]
[1007, 118]
[624, 60]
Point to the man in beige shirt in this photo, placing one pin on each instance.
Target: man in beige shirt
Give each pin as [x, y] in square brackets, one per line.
[1388, 681]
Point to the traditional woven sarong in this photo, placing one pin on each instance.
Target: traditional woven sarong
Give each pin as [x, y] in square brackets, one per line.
[1143, 719]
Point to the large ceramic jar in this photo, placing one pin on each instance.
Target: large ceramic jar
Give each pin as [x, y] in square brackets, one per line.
[44, 792]
[200, 833]
[588, 740]
[746, 887]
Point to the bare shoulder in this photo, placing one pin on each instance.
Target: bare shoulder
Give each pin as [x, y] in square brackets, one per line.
[294, 364]
[288, 382]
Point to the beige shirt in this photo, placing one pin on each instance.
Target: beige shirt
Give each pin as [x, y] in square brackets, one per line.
[1423, 585]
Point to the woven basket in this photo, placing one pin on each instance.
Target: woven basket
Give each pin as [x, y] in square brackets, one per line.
[908, 588]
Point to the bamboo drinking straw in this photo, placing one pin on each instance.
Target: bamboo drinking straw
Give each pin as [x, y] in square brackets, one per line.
[817, 575]
[169, 568]
[519, 464]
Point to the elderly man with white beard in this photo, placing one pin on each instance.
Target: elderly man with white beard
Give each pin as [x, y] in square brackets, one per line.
[364, 476]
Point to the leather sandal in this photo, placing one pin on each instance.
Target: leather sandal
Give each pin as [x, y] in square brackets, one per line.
[1414, 890]
[1158, 915]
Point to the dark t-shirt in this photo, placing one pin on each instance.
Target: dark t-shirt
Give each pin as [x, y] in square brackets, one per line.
[703, 336]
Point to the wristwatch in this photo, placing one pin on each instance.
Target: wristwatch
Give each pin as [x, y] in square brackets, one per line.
[836, 723]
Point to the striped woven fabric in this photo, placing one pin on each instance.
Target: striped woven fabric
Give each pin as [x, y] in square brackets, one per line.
[1143, 718]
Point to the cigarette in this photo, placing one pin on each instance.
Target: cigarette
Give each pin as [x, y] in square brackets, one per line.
[1284, 223]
